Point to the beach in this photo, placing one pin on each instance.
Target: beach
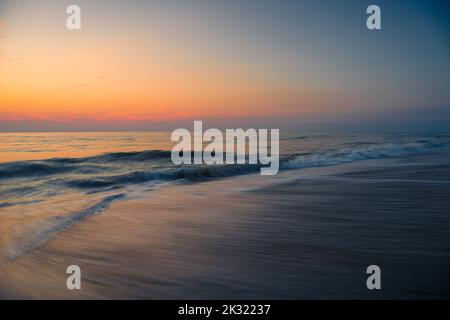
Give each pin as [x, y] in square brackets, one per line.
[303, 234]
[228, 150]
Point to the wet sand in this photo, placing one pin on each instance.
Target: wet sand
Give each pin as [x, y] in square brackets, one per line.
[303, 234]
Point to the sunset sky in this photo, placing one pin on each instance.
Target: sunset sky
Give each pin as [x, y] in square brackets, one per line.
[151, 65]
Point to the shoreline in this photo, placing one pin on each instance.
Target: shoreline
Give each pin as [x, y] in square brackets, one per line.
[307, 233]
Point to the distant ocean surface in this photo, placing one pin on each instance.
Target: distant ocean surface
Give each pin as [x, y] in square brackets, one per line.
[50, 183]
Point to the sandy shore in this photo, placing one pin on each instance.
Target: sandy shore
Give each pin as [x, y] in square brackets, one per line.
[303, 234]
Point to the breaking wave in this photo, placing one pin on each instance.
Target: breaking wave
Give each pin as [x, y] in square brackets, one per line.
[108, 170]
[346, 155]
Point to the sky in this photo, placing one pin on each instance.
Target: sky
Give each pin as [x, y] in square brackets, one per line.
[153, 65]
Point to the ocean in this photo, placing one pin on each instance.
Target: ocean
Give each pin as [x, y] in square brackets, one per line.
[141, 227]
